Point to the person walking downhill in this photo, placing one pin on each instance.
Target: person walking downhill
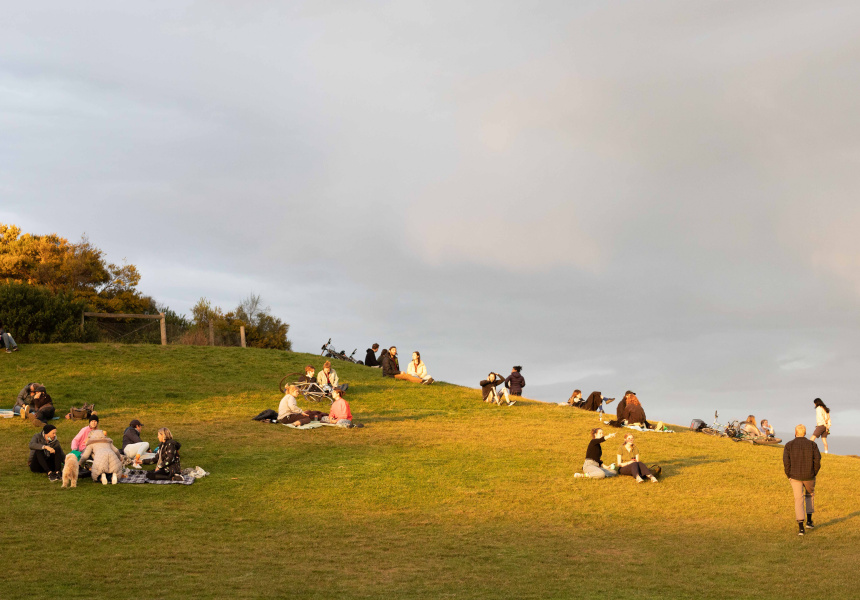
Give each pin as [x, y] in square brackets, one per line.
[802, 461]
[822, 422]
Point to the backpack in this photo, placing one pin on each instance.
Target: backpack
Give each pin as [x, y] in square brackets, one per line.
[697, 425]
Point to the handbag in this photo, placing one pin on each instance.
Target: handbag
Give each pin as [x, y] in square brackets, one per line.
[78, 413]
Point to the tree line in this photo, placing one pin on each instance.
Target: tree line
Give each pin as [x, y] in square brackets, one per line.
[47, 282]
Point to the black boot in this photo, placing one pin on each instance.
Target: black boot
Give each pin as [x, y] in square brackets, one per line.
[800, 528]
[809, 524]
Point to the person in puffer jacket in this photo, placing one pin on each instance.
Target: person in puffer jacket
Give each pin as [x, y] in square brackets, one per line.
[515, 382]
[167, 464]
[106, 457]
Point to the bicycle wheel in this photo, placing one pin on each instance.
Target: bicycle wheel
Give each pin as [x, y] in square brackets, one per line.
[287, 380]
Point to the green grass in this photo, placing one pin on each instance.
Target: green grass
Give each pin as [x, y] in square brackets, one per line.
[439, 496]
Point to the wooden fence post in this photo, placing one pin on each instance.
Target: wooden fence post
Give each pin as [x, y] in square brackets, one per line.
[82, 322]
[242, 335]
[211, 332]
[163, 330]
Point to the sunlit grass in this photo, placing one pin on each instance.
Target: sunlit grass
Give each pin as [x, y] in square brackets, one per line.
[440, 495]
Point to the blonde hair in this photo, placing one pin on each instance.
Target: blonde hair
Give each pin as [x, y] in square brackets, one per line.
[293, 390]
[166, 432]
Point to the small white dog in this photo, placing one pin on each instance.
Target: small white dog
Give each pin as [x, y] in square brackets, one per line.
[70, 471]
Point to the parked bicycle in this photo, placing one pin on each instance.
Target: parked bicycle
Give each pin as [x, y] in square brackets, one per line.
[329, 351]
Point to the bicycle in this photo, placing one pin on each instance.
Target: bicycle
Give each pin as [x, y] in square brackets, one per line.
[310, 391]
[330, 351]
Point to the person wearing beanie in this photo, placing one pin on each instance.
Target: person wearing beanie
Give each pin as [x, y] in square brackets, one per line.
[79, 442]
[132, 445]
[46, 454]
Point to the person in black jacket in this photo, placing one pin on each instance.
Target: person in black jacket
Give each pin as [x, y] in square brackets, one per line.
[370, 357]
[801, 460]
[391, 366]
[167, 465]
[515, 382]
[46, 454]
[593, 465]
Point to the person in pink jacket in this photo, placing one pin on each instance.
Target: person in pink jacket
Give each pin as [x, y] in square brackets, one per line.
[340, 413]
[79, 444]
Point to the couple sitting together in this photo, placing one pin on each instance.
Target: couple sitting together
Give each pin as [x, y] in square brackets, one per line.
[46, 454]
[416, 372]
[514, 385]
[324, 383]
[289, 412]
[627, 457]
[750, 428]
[34, 402]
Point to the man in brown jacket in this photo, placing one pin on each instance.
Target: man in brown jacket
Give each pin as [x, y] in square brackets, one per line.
[802, 460]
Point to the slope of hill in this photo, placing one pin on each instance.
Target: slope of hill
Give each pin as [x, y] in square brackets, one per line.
[440, 495]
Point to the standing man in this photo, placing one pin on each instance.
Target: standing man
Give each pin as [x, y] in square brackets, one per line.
[370, 357]
[802, 460]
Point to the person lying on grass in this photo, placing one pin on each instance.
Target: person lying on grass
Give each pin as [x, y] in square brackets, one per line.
[327, 379]
[391, 367]
[593, 465]
[46, 454]
[491, 394]
[167, 465]
[79, 442]
[575, 399]
[418, 369]
[628, 461]
[290, 413]
[340, 414]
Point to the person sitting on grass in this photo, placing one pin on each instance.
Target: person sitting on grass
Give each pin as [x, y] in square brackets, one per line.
[308, 381]
[340, 413]
[418, 369]
[43, 406]
[132, 445]
[766, 429]
[79, 442]
[593, 465]
[631, 411]
[167, 465]
[107, 459]
[515, 382]
[6, 337]
[290, 413]
[370, 357]
[46, 454]
[628, 461]
[749, 426]
[491, 394]
[24, 402]
[391, 366]
[328, 381]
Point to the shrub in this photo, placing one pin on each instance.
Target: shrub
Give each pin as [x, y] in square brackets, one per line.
[33, 314]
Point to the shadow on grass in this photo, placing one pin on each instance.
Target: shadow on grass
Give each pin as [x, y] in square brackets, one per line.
[396, 418]
[690, 461]
[856, 513]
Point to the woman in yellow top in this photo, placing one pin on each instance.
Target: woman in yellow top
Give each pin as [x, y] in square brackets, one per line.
[628, 460]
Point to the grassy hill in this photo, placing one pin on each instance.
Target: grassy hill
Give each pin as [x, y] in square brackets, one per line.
[439, 496]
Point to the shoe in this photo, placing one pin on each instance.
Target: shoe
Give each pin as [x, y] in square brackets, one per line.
[639, 479]
[512, 402]
[578, 475]
[177, 477]
[15, 349]
[54, 476]
[113, 479]
[809, 524]
[608, 400]
[104, 479]
[24, 410]
[8, 351]
[429, 381]
[653, 479]
[800, 528]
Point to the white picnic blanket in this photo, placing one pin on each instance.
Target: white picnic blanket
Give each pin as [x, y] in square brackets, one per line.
[637, 428]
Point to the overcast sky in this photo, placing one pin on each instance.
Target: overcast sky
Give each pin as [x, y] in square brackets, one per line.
[656, 196]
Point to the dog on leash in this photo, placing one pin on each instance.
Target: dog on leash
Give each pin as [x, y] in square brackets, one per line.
[70, 471]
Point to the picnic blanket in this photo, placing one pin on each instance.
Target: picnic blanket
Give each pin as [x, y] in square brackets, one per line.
[311, 425]
[136, 476]
[635, 428]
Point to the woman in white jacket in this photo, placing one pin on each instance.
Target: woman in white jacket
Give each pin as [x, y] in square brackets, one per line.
[822, 422]
[418, 369]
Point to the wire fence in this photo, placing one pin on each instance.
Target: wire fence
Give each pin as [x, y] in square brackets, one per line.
[141, 331]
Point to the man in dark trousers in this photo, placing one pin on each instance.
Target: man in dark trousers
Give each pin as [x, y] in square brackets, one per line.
[46, 455]
[802, 460]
